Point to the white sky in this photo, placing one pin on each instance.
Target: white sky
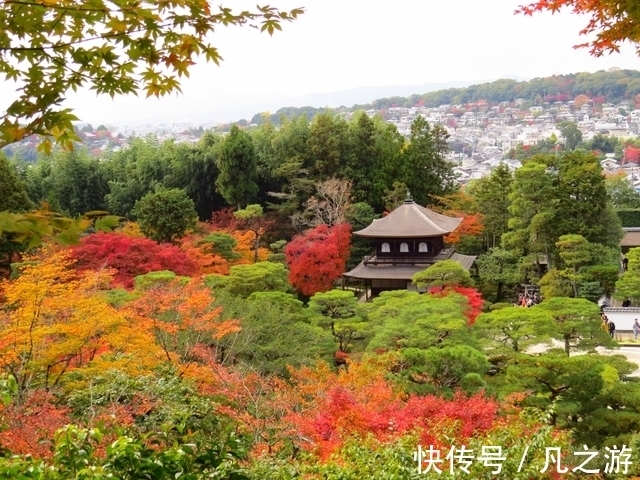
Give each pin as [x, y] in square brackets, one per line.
[342, 44]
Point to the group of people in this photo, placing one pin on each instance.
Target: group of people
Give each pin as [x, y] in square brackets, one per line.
[609, 326]
[528, 299]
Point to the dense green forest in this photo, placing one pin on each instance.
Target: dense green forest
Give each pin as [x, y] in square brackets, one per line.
[278, 167]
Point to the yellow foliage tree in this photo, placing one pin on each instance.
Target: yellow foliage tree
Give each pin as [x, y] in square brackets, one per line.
[246, 247]
[55, 322]
[131, 229]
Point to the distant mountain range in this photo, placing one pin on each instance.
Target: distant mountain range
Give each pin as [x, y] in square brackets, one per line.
[360, 95]
[348, 98]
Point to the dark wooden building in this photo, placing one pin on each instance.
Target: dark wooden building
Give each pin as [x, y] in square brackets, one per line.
[408, 240]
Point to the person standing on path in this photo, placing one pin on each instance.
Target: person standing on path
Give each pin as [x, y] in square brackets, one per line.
[636, 329]
[612, 328]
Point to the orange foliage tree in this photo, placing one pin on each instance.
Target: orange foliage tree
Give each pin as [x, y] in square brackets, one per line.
[246, 232]
[246, 247]
[182, 318]
[612, 21]
[461, 205]
[471, 226]
[54, 322]
[200, 253]
[29, 426]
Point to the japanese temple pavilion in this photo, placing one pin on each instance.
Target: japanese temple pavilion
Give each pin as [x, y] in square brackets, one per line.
[408, 240]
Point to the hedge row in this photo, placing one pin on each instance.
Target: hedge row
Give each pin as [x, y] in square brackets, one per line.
[630, 217]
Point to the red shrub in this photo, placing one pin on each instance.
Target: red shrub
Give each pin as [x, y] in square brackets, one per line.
[29, 427]
[130, 256]
[344, 412]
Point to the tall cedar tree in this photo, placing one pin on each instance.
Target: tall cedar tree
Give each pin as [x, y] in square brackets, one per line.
[238, 164]
[492, 196]
[363, 165]
[424, 169]
[13, 193]
[318, 257]
[327, 145]
[553, 196]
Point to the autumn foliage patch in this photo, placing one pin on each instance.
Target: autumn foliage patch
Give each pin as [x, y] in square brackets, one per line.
[473, 297]
[28, 428]
[130, 257]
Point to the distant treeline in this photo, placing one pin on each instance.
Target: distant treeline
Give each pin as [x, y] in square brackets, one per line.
[603, 86]
[289, 112]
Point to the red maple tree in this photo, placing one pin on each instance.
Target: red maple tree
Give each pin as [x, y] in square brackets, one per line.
[631, 155]
[130, 256]
[223, 220]
[318, 257]
[375, 409]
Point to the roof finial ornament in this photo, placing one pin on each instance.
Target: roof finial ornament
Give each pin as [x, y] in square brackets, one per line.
[408, 199]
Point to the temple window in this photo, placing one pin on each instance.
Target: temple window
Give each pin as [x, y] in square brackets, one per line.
[385, 248]
[404, 247]
[422, 247]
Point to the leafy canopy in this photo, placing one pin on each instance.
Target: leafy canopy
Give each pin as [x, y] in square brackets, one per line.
[114, 48]
[612, 21]
[338, 307]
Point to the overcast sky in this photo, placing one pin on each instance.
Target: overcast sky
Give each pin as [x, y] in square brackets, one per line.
[342, 44]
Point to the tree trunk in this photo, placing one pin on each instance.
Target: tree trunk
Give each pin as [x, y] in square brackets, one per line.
[255, 257]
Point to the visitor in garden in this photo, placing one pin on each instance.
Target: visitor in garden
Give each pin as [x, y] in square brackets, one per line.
[636, 329]
[612, 328]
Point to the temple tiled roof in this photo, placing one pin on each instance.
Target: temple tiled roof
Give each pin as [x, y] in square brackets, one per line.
[410, 220]
[631, 238]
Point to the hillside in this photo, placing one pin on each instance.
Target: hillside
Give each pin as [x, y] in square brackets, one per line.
[613, 86]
